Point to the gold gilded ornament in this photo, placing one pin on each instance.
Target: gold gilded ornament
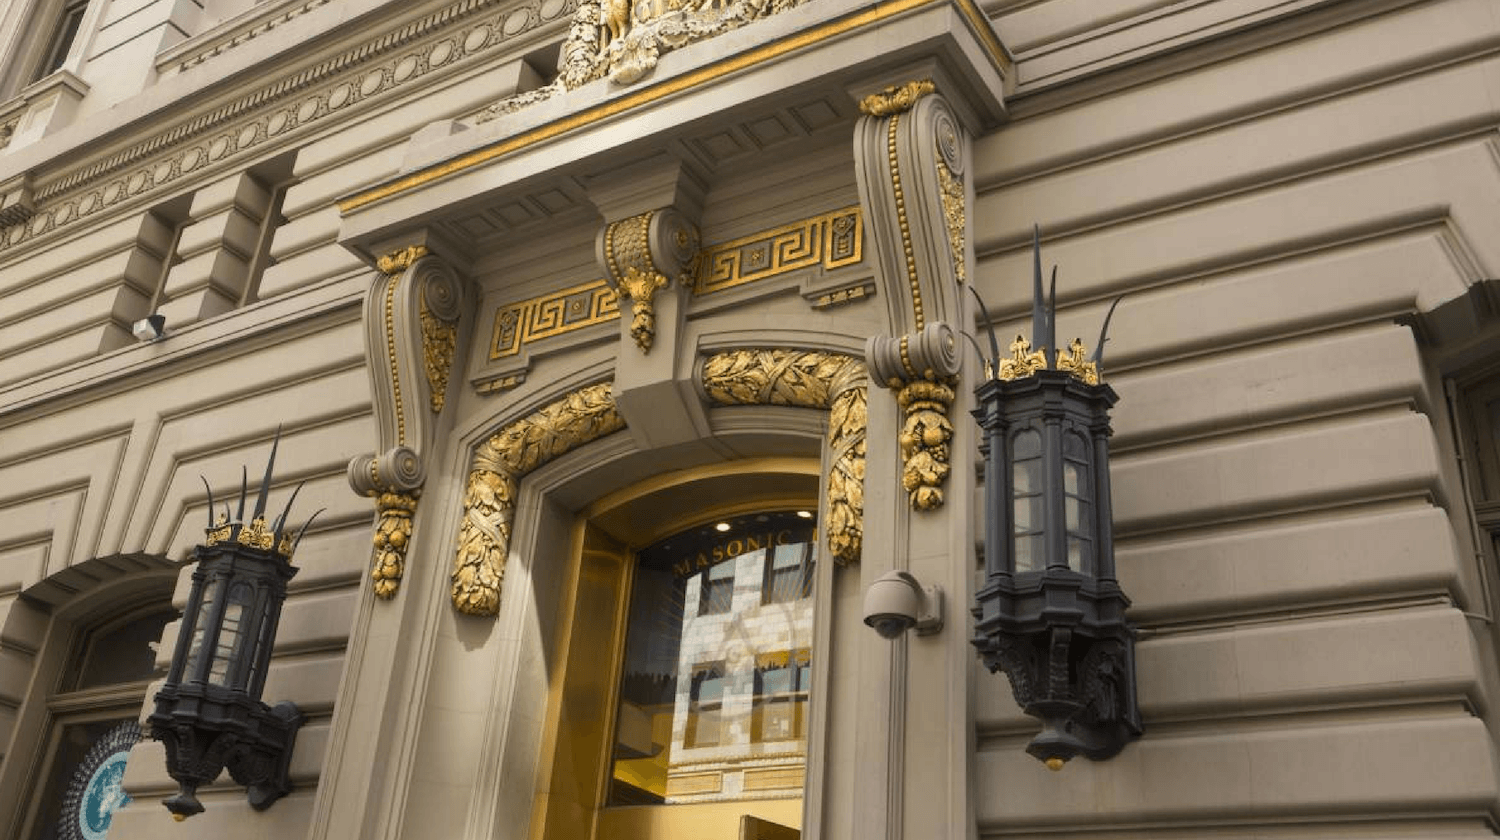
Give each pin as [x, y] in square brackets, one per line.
[896, 98]
[1075, 362]
[392, 536]
[953, 217]
[924, 440]
[808, 379]
[627, 251]
[490, 494]
[1023, 360]
[399, 261]
[439, 343]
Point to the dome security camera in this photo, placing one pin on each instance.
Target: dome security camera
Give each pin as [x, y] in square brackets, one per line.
[896, 602]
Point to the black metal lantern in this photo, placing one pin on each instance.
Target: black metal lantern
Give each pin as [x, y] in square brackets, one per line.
[1050, 612]
[209, 713]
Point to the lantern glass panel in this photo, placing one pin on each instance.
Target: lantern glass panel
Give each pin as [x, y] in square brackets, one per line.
[1028, 512]
[231, 632]
[1077, 503]
[200, 628]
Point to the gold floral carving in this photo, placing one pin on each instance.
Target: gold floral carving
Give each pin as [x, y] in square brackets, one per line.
[809, 379]
[924, 441]
[399, 261]
[392, 535]
[627, 249]
[490, 495]
[953, 217]
[896, 98]
[439, 343]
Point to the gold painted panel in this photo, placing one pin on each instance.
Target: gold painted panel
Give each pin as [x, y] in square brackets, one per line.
[832, 240]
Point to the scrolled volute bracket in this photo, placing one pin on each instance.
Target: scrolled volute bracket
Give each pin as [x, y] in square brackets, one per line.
[921, 369]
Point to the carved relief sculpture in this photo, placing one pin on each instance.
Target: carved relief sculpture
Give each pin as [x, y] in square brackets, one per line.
[490, 494]
[809, 379]
[623, 39]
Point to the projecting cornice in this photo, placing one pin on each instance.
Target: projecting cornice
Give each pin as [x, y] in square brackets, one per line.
[284, 107]
[841, 48]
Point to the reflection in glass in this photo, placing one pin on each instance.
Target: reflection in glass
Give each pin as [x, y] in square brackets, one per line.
[1026, 490]
[716, 674]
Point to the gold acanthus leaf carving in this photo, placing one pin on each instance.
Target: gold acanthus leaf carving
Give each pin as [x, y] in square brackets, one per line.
[896, 98]
[439, 343]
[490, 495]
[808, 379]
[953, 217]
[925, 437]
[392, 536]
[399, 261]
[844, 524]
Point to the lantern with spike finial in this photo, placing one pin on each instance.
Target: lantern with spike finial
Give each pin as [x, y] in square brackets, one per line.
[209, 712]
[1050, 612]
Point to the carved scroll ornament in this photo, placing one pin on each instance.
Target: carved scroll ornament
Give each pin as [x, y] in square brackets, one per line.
[809, 379]
[490, 494]
[642, 254]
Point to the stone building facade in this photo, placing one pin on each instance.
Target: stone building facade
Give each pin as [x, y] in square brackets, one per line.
[531, 287]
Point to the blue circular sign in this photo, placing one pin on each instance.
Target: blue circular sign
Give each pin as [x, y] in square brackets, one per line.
[102, 797]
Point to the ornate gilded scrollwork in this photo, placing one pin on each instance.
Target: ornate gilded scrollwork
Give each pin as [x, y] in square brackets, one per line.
[896, 98]
[809, 379]
[922, 370]
[1075, 361]
[950, 181]
[490, 494]
[641, 254]
[1023, 360]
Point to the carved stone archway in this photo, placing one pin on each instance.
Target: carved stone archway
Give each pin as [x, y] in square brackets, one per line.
[817, 379]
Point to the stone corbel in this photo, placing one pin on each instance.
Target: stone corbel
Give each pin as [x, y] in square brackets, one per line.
[921, 369]
[911, 156]
[413, 316]
[642, 255]
[17, 201]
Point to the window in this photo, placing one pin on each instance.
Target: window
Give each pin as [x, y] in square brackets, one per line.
[714, 691]
[64, 33]
[93, 716]
[788, 572]
[1481, 423]
[782, 682]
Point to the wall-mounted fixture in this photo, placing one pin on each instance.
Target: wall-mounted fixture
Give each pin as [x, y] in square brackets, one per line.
[209, 713]
[150, 328]
[896, 602]
[1050, 612]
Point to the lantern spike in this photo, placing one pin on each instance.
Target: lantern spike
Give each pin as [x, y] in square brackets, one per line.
[1038, 312]
[1048, 339]
[983, 362]
[1098, 357]
[244, 491]
[298, 541]
[990, 325]
[210, 492]
[281, 520]
[265, 482]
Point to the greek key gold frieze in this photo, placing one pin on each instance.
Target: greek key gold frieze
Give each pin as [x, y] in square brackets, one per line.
[832, 240]
[552, 314]
[490, 493]
[808, 379]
